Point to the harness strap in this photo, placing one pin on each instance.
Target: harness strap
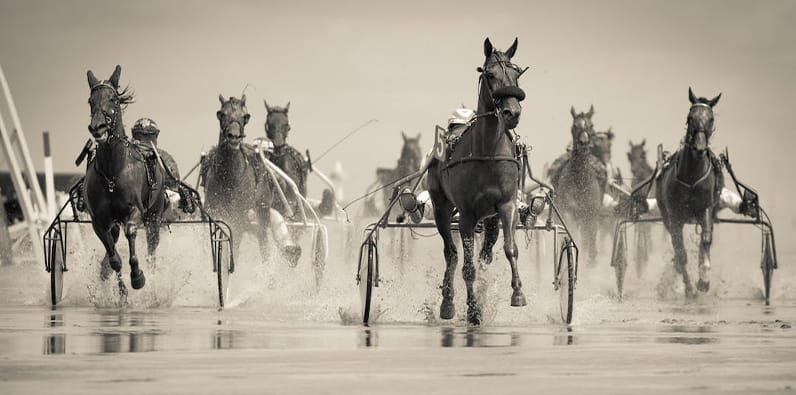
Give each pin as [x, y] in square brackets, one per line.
[493, 158]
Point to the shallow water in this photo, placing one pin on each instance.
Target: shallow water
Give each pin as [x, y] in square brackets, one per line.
[285, 336]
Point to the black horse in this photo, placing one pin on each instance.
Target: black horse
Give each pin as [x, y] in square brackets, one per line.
[688, 190]
[119, 190]
[481, 179]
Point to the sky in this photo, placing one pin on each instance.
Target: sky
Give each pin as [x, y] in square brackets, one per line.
[407, 64]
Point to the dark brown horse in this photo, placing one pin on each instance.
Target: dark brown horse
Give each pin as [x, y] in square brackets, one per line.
[234, 178]
[119, 191]
[408, 163]
[581, 183]
[481, 179]
[688, 190]
[641, 170]
[285, 156]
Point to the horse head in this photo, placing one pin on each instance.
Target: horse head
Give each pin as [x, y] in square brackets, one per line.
[499, 81]
[106, 102]
[232, 118]
[411, 154]
[637, 156]
[603, 141]
[700, 121]
[276, 124]
[582, 128]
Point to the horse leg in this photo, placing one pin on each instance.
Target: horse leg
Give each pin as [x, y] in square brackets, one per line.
[106, 266]
[152, 230]
[491, 231]
[703, 284]
[467, 232]
[680, 256]
[443, 210]
[137, 279]
[508, 215]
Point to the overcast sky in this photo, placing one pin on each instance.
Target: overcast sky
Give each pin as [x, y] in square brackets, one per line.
[408, 64]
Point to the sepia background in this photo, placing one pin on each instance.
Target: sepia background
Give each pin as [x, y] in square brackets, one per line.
[408, 64]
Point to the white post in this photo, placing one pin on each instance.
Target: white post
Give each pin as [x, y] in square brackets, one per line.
[23, 144]
[22, 192]
[49, 176]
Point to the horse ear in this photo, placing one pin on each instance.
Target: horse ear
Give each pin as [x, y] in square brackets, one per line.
[267, 107]
[644, 141]
[92, 80]
[512, 49]
[117, 72]
[243, 98]
[572, 111]
[591, 111]
[403, 135]
[418, 136]
[630, 142]
[221, 99]
[714, 100]
[488, 48]
[691, 97]
[287, 107]
[610, 133]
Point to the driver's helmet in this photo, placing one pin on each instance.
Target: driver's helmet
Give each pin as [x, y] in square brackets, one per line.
[145, 127]
[460, 116]
[264, 144]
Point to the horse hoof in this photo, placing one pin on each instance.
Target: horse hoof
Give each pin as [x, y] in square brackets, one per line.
[105, 269]
[518, 299]
[137, 279]
[446, 309]
[703, 286]
[474, 316]
[689, 292]
[292, 255]
[485, 258]
[116, 265]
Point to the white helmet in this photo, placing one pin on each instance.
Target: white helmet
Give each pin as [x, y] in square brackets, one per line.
[461, 116]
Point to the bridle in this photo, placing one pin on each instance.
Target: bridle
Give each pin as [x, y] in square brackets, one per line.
[110, 120]
[507, 91]
[285, 128]
[225, 127]
[691, 133]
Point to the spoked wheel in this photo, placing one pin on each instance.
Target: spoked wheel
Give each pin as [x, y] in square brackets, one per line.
[619, 259]
[367, 276]
[56, 259]
[566, 281]
[768, 264]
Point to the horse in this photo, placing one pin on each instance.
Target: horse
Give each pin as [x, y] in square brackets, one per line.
[480, 180]
[641, 170]
[581, 183]
[118, 188]
[235, 179]
[285, 156]
[408, 163]
[687, 190]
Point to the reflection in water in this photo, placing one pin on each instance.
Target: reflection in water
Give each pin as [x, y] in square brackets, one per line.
[115, 341]
[564, 339]
[476, 337]
[55, 343]
[687, 339]
[224, 339]
[368, 337]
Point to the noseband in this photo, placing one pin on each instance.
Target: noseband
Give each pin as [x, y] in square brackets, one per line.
[691, 133]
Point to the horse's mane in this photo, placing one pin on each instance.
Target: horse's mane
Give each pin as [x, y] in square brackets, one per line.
[126, 96]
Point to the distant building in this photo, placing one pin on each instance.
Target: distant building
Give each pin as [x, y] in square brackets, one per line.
[63, 182]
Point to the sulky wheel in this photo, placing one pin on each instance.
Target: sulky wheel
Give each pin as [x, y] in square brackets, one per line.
[56, 258]
[222, 269]
[619, 259]
[368, 255]
[320, 253]
[566, 280]
[768, 264]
